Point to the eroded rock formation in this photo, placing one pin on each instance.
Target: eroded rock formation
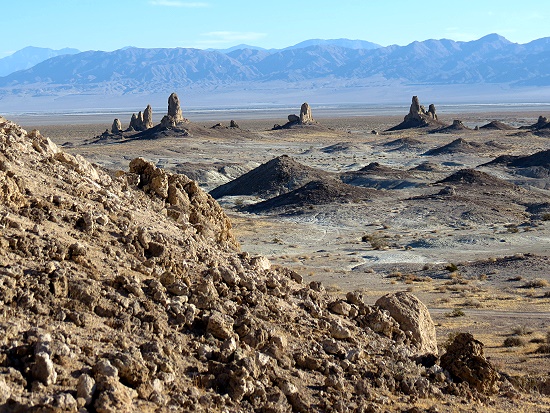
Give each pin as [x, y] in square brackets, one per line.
[418, 116]
[148, 117]
[116, 127]
[174, 116]
[305, 114]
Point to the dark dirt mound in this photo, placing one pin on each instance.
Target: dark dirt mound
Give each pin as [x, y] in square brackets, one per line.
[404, 141]
[375, 168]
[541, 158]
[501, 160]
[457, 126]
[404, 144]
[278, 176]
[340, 147]
[315, 193]
[497, 125]
[457, 146]
[473, 177]
[427, 167]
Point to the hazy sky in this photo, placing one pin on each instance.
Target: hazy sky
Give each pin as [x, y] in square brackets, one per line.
[112, 24]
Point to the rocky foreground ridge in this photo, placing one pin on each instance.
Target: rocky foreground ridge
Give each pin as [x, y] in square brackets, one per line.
[125, 292]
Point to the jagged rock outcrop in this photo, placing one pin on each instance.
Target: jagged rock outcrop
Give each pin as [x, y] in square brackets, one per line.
[418, 116]
[174, 116]
[305, 114]
[136, 122]
[126, 292]
[233, 124]
[465, 362]
[413, 316]
[142, 121]
[116, 127]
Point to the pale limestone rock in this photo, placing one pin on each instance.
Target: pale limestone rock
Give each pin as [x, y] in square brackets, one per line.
[412, 315]
[305, 114]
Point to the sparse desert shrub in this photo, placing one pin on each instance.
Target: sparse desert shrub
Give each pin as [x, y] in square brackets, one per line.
[521, 330]
[377, 241]
[451, 267]
[472, 302]
[536, 283]
[450, 338]
[515, 278]
[543, 349]
[512, 229]
[457, 312]
[546, 217]
[513, 341]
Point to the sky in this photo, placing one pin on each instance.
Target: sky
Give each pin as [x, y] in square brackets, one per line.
[112, 24]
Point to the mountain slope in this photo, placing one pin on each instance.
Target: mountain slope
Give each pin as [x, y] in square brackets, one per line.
[28, 57]
[489, 60]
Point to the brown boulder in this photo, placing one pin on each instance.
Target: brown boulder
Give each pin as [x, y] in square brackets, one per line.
[465, 362]
[412, 315]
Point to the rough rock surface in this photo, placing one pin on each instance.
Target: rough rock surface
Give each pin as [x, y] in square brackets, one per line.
[418, 116]
[412, 315]
[305, 114]
[126, 292]
[148, 117]
[136, 122]
[465, 362]
[174, 117]
[116, 127]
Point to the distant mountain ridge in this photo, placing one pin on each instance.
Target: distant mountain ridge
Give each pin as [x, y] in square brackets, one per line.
[489, 60]
[28, 57]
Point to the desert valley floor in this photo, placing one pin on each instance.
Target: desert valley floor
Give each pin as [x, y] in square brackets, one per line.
[346, 203]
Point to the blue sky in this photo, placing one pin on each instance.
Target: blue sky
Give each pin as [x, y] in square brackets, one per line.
[112, 24]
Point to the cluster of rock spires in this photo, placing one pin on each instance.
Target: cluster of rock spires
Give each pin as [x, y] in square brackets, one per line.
[125, 292]
[305, 118]
[418, 116]
[144, 121]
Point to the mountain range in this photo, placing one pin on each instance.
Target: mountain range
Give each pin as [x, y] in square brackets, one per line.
[342, 63]
[28, 57]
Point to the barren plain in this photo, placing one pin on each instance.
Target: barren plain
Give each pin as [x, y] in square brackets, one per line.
[469, 237]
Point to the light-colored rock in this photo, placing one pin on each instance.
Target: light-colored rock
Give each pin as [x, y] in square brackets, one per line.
[175, 115]
[220, 325]
[305, 114]
[116, 127]
[412, 315]
[148, 117]
[43, 369]
[85, 388]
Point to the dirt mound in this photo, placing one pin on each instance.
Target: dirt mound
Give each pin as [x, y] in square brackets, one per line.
[497, 125]
[314, 193]
[375, 168]
[277, 176]
[404, 142]
[457, 146]
[536, 165]
[340, 147]
[457, 126]
[427, 167]
[541, 159]
[473, 177]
